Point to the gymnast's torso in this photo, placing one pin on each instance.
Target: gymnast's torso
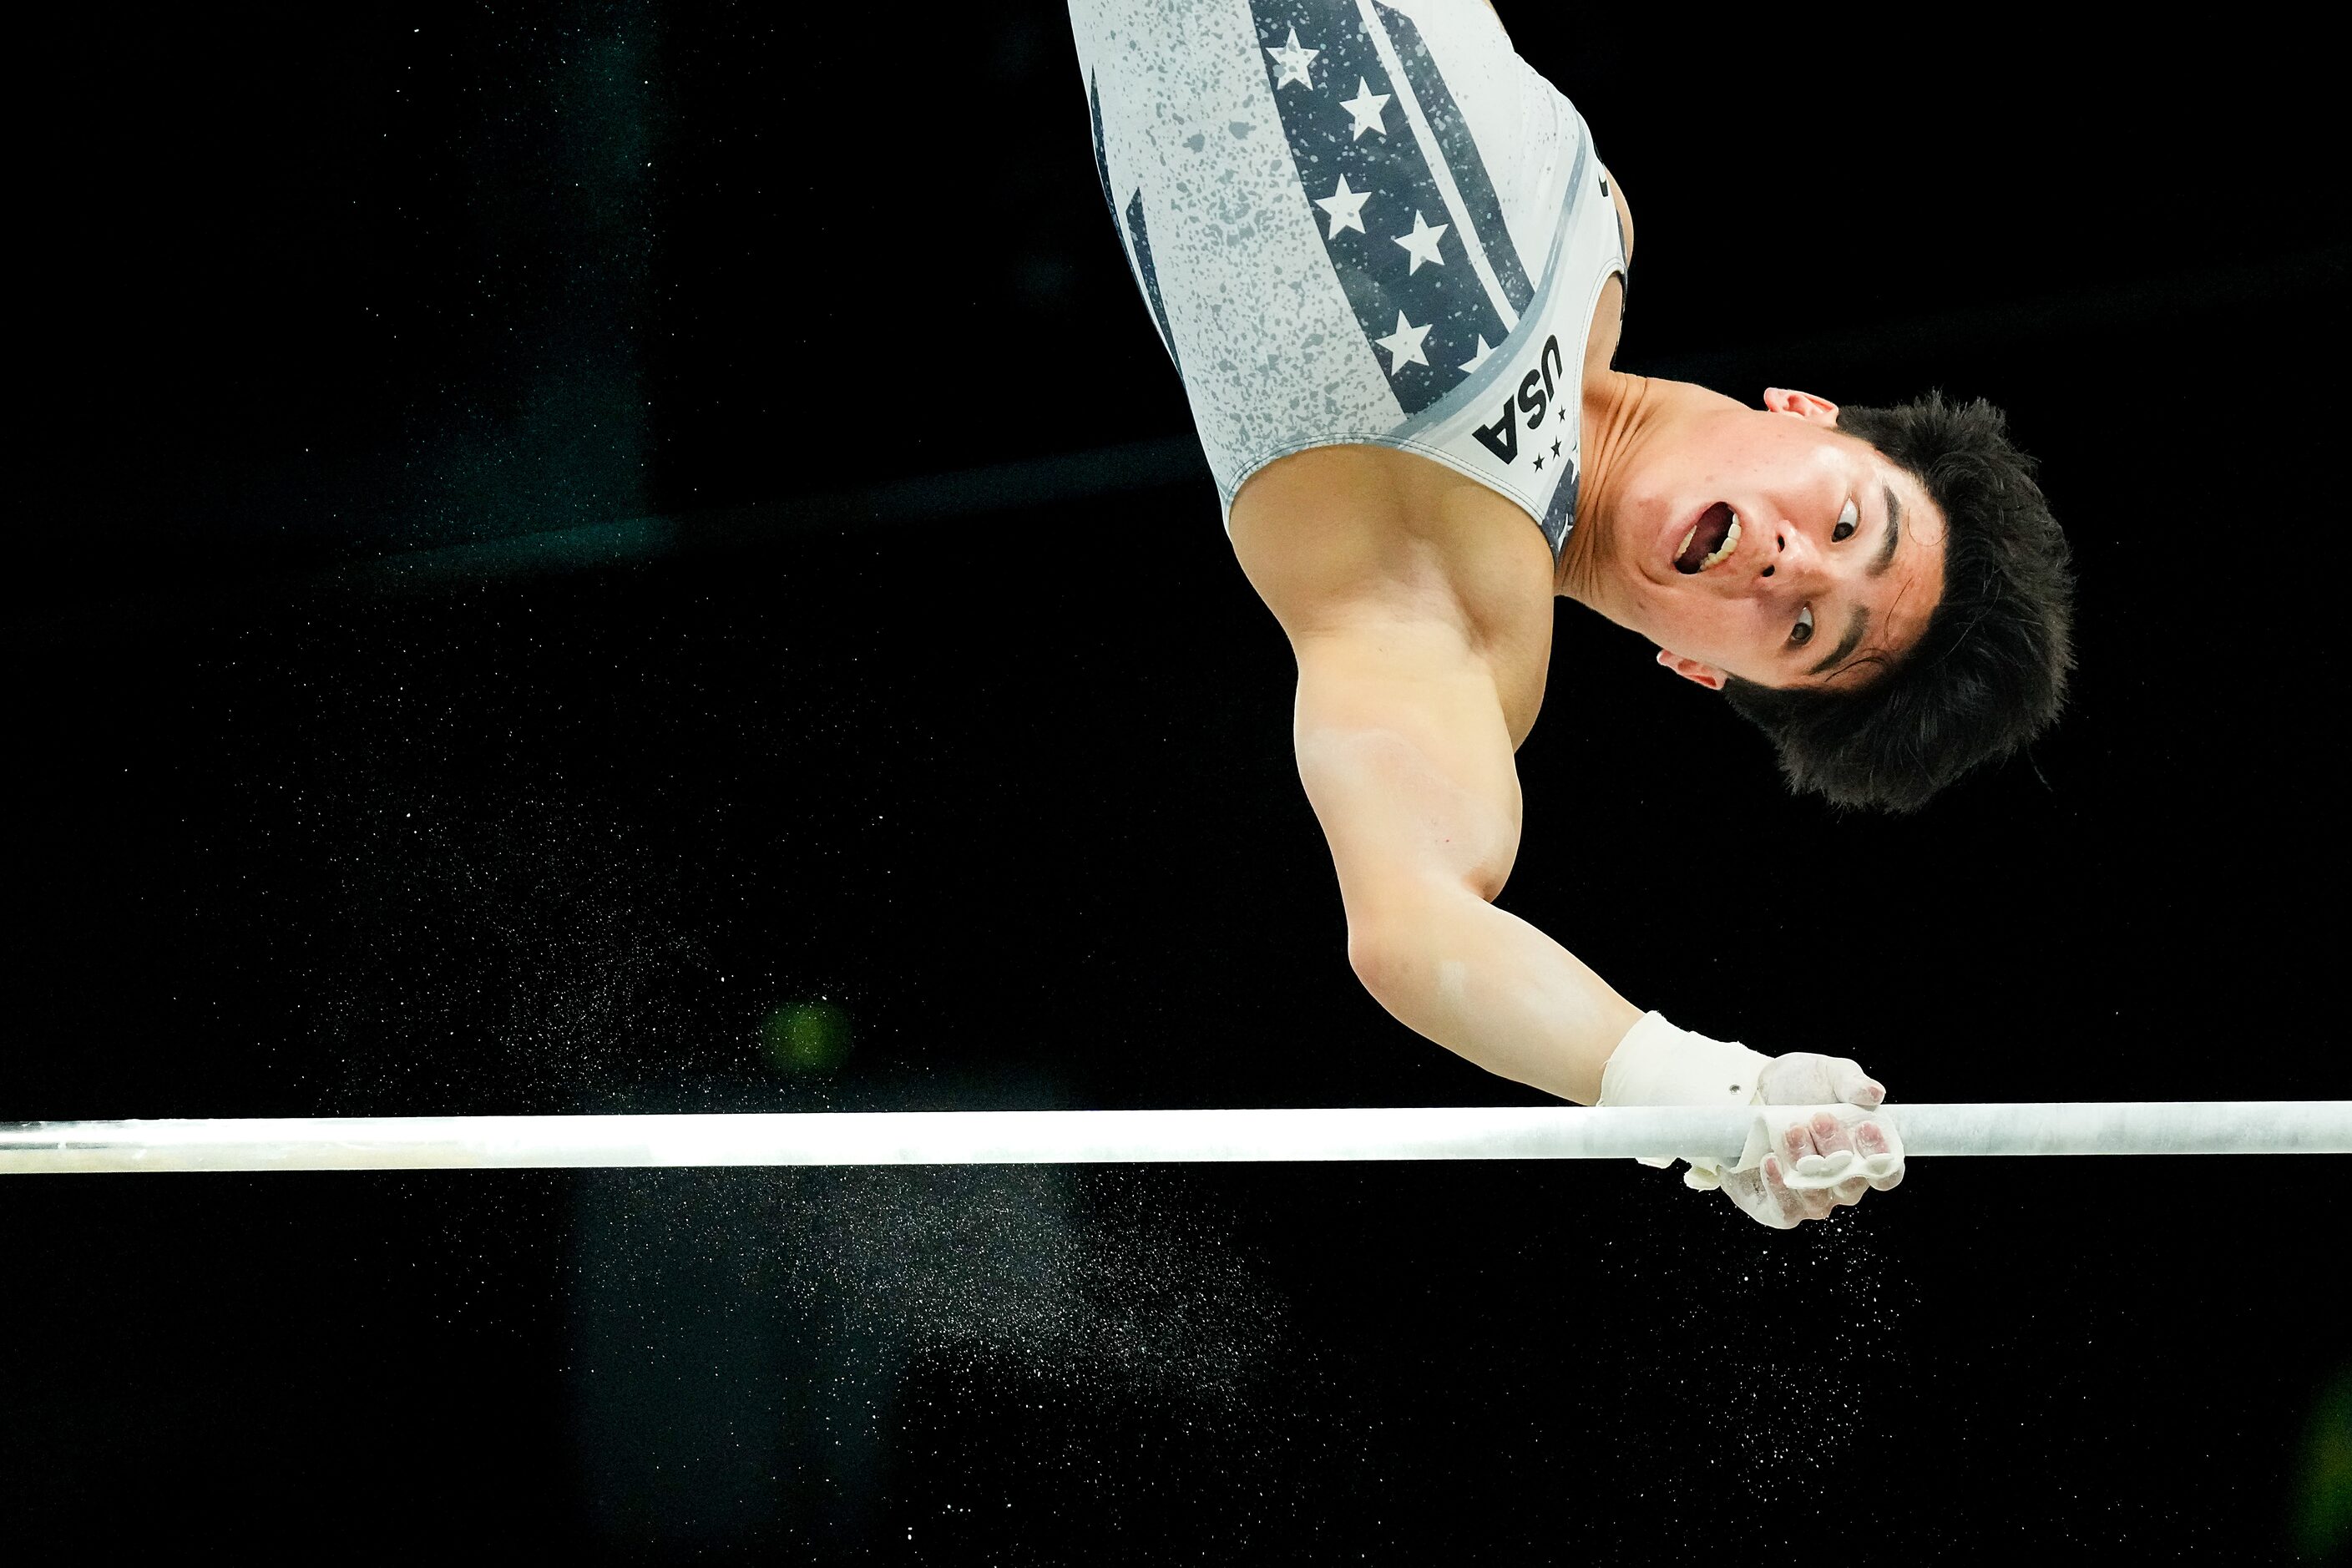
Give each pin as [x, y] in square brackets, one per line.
[1360, 223]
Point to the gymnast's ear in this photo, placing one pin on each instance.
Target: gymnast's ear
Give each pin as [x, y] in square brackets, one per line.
[1706, 675]
[1803, 404]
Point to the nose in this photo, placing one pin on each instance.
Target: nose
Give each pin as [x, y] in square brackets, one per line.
[1793, 563]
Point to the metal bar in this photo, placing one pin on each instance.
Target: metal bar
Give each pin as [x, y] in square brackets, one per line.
[1147, 1137]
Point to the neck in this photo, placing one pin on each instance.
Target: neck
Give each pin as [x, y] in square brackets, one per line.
[1621, 412]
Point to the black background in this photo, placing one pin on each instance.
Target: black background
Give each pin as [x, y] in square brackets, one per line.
[552, 534]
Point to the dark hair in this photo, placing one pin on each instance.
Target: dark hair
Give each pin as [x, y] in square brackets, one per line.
[1988, 673]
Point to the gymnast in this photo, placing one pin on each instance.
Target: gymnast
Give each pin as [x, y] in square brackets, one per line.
[1375, 243]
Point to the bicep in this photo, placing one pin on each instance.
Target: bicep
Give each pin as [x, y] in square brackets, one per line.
[1407, 759]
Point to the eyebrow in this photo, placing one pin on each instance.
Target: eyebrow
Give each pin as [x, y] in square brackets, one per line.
[1855, 628]
[1859, 622]
[1893, 534]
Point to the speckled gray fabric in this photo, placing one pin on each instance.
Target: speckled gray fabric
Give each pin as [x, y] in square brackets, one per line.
[1356, 222]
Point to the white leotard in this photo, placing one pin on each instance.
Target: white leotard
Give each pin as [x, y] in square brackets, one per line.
[1357, 222]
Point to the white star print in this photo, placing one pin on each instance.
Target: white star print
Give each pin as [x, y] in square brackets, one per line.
[1346, 207]
[1480, 357]
[1421, 243]
[1366, 107]
[1294, 62]
[1404, 344]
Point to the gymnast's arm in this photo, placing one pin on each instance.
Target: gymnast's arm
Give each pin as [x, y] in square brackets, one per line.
[1405, 745]
[1407, 759]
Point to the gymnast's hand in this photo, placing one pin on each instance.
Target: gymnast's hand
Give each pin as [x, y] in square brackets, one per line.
[1794, 1168]
[1823, 1163]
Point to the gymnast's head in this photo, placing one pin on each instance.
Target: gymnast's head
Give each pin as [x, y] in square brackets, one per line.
[1882, 591]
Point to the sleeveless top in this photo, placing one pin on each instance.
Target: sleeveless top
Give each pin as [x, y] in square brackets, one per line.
[1357, 223]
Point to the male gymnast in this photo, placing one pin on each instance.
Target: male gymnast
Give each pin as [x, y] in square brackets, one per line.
[1375, 243]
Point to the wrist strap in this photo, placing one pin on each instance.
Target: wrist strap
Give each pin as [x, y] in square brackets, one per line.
[1658, 1064]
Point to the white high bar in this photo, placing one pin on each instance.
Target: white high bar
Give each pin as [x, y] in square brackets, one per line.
[1137, 1137]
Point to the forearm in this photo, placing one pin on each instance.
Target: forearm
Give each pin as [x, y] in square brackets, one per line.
[1493, 989]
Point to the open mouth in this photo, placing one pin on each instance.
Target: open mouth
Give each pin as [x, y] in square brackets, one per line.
[1711, 539]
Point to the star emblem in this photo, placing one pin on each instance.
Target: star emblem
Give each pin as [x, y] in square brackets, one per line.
[1294, 62]
[1555, 448]
[1404, 344]
[1421, 243]
[1346, 207]
[1480, 357]
[1539, 462]
[1366, 107]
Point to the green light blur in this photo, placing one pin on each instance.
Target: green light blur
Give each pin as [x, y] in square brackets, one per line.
[806, 1037]
[2322, 1515]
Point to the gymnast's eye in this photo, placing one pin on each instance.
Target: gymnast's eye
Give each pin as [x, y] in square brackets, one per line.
[1846, 520]
[1803, 631]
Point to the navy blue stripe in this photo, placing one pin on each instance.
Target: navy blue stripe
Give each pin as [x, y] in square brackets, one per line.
[1561, 516]
[1387, 169]
[1461, 155]
[1102, 162]
[1151, 275]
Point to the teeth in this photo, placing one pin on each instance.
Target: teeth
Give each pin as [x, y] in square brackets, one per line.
[1723, 551]
[1685, 543]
